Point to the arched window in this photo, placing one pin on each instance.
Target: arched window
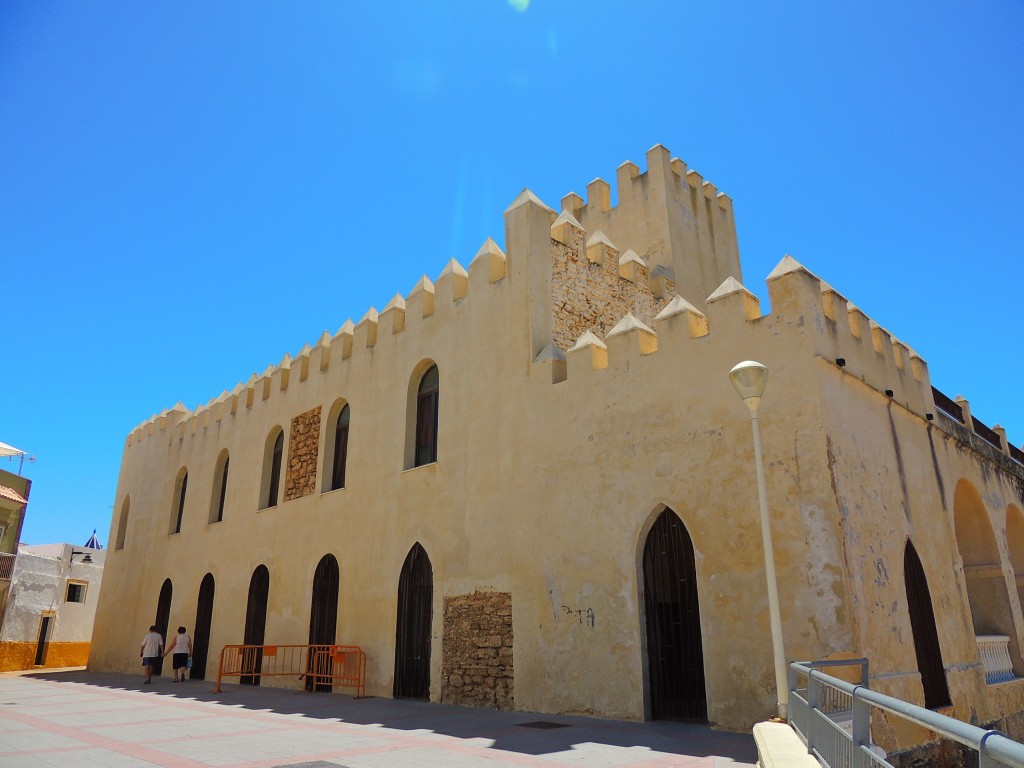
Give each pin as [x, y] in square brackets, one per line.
[336, 456]
[987, 592]
[178, 506]
[122, 524]
[426, 417]
[272, 455]
[1015, 547]
[220, 488]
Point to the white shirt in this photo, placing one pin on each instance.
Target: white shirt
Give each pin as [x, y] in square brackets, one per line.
[180, 643]
[151, 645]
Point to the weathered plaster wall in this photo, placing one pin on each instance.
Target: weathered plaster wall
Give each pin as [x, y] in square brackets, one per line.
[38, 587]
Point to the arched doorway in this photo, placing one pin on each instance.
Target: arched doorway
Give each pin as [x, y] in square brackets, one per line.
[163, 618]
[675, 655]
[255, 623]
[412, 632]
[204, 621]
[323, 614]
[926, 637]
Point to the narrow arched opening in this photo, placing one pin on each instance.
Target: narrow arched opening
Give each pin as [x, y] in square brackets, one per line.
[255, 624]
[675, 655]
[323, 620]
[412, 630]
[203, 625]
[163, 619]
[922, 625]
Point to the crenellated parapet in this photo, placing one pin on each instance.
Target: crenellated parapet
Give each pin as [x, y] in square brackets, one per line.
[595, 286]
[670, 216]
[593, 282]
[424, 301]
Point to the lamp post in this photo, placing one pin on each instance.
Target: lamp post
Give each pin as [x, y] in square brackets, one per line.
[749, 379]
[86, 559]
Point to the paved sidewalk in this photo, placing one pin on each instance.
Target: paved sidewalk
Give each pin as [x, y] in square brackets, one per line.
[79, 719]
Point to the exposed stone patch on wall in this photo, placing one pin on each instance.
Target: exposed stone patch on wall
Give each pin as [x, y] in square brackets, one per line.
[588, 296]
[304, 447]
[476, 651]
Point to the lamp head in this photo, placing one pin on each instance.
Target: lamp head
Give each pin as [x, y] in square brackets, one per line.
[749, 379]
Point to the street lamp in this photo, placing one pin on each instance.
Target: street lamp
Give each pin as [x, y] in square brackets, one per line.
[86, 559]
[749, 379]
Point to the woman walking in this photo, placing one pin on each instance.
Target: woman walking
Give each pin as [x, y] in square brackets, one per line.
[181, 647]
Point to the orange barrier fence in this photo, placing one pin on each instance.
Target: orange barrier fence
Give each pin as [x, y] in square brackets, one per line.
[342, 665]
[316, 666]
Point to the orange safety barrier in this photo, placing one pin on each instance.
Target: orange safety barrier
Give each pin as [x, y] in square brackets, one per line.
[343, 665]
[316, 665]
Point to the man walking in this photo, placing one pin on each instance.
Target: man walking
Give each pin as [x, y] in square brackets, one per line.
[150, 651]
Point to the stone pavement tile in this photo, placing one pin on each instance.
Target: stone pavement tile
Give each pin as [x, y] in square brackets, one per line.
[125, 725]
[33, 741]
[94, 758]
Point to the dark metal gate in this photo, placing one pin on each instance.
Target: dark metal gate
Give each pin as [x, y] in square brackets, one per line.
[43, 643]
[163, 618]
[323, 616]
[412, 632]
[255, 623]
[926, 637]
[675, 655]
[204, 621]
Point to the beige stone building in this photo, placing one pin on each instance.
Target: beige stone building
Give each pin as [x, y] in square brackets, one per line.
[528, 484]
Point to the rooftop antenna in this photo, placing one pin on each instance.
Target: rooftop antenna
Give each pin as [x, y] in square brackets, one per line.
[10, 452]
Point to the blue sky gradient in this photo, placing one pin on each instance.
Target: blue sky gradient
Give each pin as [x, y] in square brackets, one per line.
[188, 191]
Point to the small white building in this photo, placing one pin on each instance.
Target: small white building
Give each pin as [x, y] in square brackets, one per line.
[51, 605]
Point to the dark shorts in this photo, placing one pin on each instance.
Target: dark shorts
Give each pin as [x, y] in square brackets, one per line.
[180, 660]
[150, 661]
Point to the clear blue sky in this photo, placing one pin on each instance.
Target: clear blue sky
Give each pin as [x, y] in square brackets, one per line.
[190, 190]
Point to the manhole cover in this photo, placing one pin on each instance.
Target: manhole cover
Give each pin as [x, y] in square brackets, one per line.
[544, 725]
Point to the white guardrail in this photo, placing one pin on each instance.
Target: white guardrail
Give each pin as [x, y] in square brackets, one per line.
[833, 718]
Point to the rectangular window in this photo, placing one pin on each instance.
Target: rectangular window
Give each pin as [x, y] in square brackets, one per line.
[76, 592]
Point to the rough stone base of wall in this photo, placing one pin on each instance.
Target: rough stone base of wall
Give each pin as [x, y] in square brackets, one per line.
[476, 651]
[949, 754]
[22, 655]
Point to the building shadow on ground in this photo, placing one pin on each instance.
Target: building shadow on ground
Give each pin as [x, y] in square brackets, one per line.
[523, 732]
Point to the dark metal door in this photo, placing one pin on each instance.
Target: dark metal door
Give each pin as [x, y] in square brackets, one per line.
[43, 644]
[323, 615]
[163, 618]
[255, 623]
[412, 634]
[204, 621]
[675, 655]
[926, 637]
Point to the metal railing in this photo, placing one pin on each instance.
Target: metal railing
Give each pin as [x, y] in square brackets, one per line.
[833, 717]
[312, 665]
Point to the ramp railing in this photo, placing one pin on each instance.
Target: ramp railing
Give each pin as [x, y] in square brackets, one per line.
[833, 718]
